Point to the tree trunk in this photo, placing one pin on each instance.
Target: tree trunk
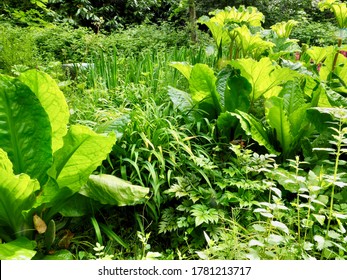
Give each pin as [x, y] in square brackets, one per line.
[192, 20]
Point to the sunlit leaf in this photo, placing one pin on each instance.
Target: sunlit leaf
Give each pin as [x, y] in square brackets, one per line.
[280, 226]
[108, 189]
[19, 249]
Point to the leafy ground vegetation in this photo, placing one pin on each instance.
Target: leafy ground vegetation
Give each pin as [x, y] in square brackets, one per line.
[139, 145]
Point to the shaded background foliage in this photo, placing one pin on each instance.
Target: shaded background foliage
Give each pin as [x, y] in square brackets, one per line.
[111, 14]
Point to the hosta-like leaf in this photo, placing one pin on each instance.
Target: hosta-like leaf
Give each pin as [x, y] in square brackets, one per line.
[202, 85]
[180, 99]
[5, 162]
[25, 131]
[108, 189]
[225, 123]
[237, 93]
[295, 107]
[339, 9]
[17, 195]
[255, 129]
[19, 249]
[278, 119]
[52, 100]
[82, 153]
[216, 26]
[183, 67]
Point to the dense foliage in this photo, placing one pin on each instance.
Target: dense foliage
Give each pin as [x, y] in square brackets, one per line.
[138, 144]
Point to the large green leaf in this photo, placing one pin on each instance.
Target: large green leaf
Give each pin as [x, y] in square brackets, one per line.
[251, 45]
[216, 26]
[183, 67]
[25, 131]
[319, 54]
[17, 195]
[284, 28]
[202, 85]
[5, 162]
[19, 249]
[236, 94]
[83, 151]
[277, 118]
[181, 100]
[336, 99]
[52, 100]
[79, 205]
[255, 129]
[226, 122]
[108, 189]
[294, 105]
[339, 9]
[264, 77]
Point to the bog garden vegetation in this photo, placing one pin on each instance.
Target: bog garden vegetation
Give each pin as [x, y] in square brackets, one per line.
[173, 130]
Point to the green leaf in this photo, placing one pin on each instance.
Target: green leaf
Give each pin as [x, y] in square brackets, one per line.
[5, 162]
[203, 214]
[183, 67]
[25, 131]
[318, 54]
[237, 93]
[108, 189]
[336, 99]
[251, 45]
[216, 26]
[113, 236]
[82, 153]
[255, 129]
[339, 9]
[181, 100]
[280, 226]
[264, 77]
[295, 107]
[60, 255]
[321, 243]
[279, 121]
[320, 219]
[202, 85]
[78, 205]
[17, 195]
[117, 126]
[52, 100]
[225, 123]
[19, 249]
[284, 28]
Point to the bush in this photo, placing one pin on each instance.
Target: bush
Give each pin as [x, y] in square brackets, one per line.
[315, 33]
[16, 48]
[66, 44]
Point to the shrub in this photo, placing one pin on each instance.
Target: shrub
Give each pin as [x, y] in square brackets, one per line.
[16, 47]
[315, 33]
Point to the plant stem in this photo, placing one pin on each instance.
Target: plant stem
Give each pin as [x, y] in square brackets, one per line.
[297, 162]
[336, 54]
[337, 159]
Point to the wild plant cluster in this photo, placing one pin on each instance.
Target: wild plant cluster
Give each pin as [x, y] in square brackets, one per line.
[234, 148]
